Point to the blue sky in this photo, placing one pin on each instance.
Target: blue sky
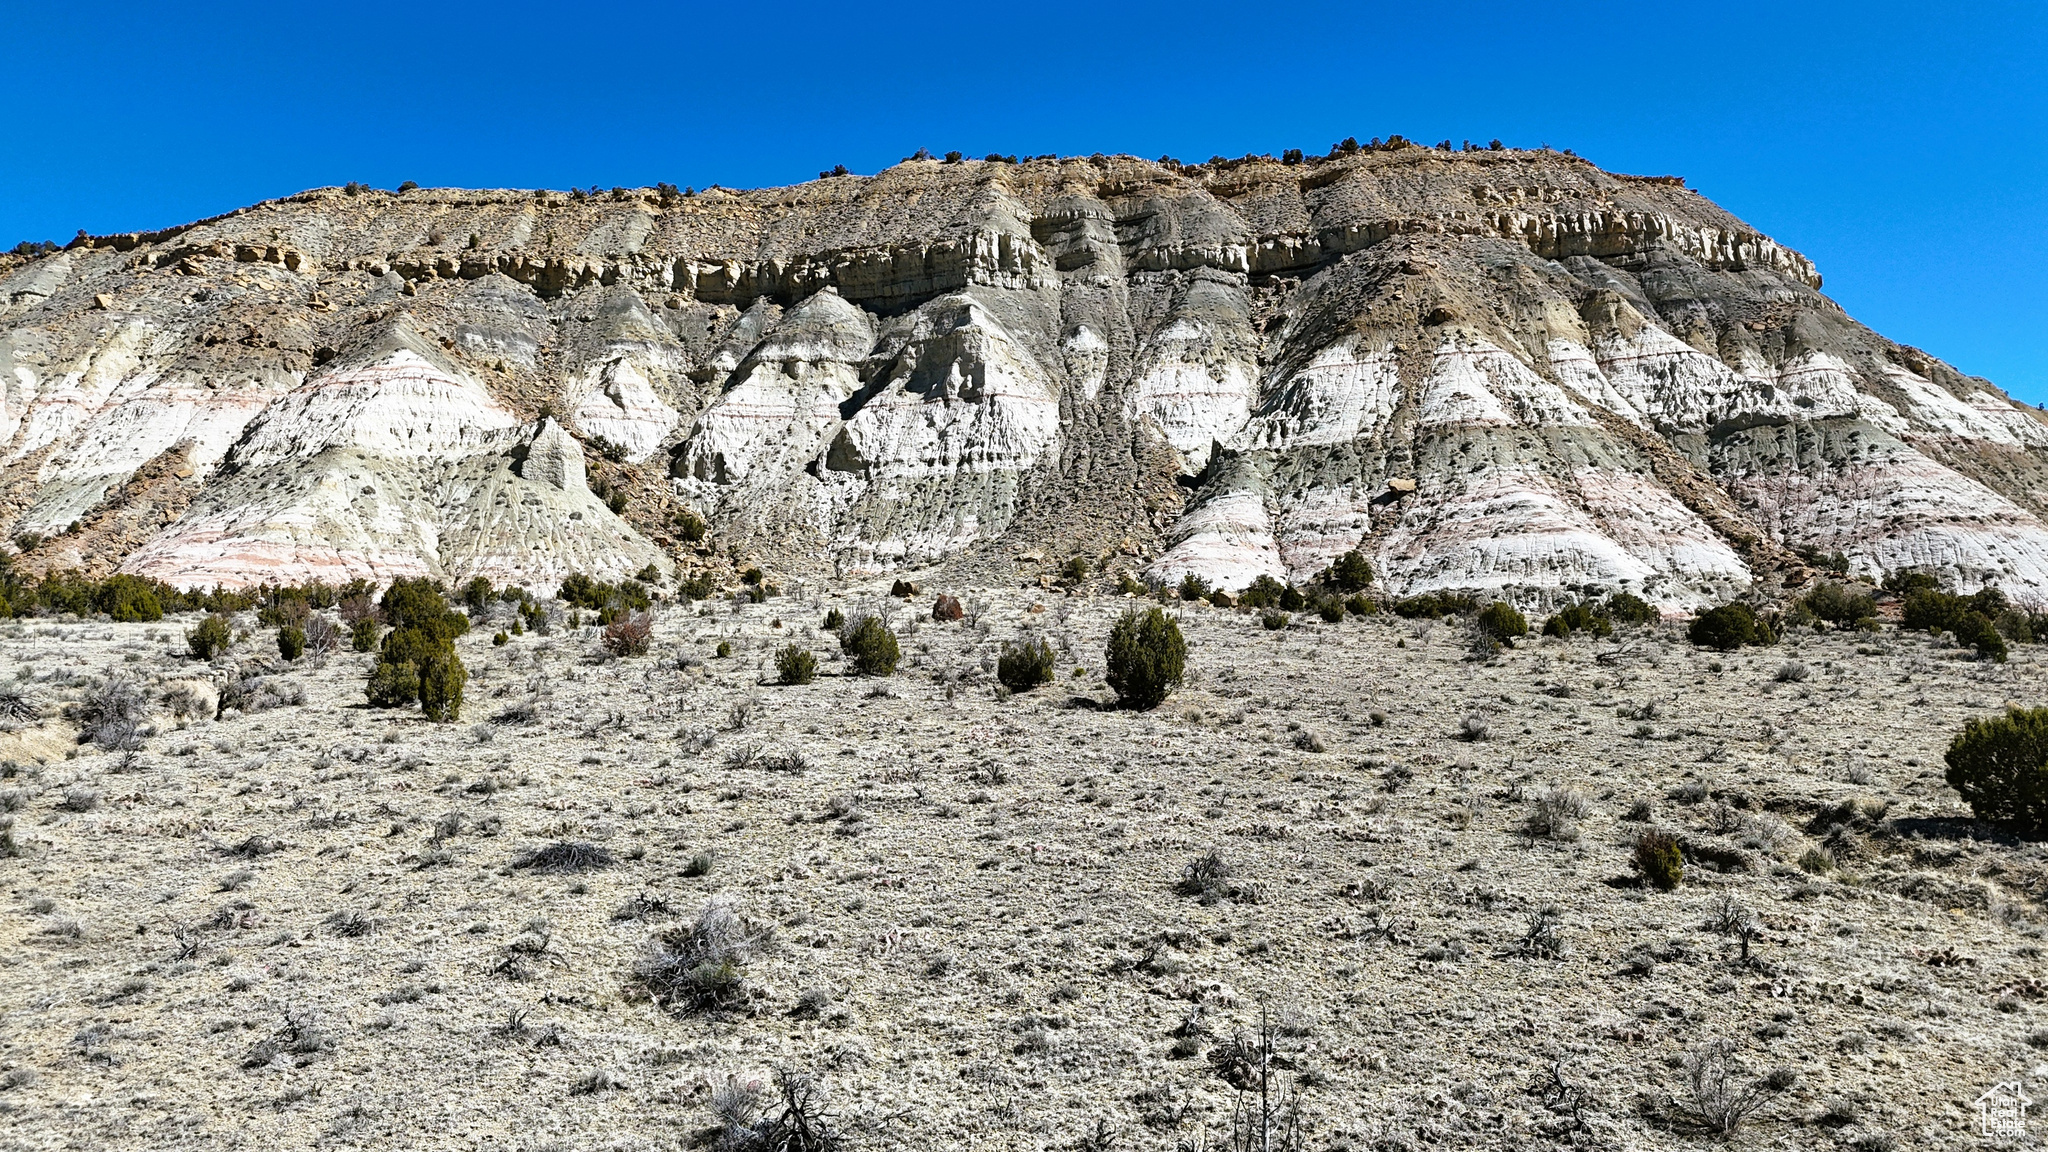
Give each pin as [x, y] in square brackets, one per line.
[1898, 145]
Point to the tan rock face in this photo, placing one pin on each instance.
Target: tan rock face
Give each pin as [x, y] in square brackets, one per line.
[1505, 371]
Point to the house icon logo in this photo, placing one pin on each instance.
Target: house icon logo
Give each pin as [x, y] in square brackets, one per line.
[2002, 1111]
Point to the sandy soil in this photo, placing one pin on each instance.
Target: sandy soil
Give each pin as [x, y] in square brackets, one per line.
[305, 928]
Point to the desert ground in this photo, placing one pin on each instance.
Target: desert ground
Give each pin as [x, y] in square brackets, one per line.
[322, 925]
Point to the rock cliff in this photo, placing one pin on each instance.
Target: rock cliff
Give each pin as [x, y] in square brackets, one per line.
[1498, 370]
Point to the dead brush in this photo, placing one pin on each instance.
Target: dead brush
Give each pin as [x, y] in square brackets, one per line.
[1266, 1117]
[629, 635]
[567, 856]
[1554, 814]
[111, 714]
[253, 694]
[702, 966]
[1210, 879]
[1544, 937]
[1721, 1098]
[15, 706]
[796, 1121]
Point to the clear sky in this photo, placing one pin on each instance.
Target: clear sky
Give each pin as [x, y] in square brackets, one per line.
[1900, 145]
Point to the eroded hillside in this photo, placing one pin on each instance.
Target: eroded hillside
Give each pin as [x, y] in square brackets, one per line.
[1498, 370]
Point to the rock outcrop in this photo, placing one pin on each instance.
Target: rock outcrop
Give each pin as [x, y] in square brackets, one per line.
[1498, 370]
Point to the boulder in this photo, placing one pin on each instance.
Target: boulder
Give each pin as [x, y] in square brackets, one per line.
[947, 608]
[554, 458]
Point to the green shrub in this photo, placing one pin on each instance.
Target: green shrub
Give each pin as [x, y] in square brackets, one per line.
[1074, 570]
[1904, 583]
[1500, 621]
[477, 595]
[2020, 627]
[1263, 592]
[1146, 658]
[393, 685]
[1025, 666]
[872, 646]
[2000, 766]
[1659, 861]
[1840, 605]
[1629, 608]
[1193, 587]
[724, 649]
[500, 639]
[1361, 605]
[580, 591]
[834, 620]
[441, 678]
[1275, 620]
[1350, 572]
[1432, 605]
[418, 604]
[1969, 617]
[129, 599]
[362, 635]
[1330, 608]
[291, 642]
[1291, 599]
[1580, 617]
[210, 638]
[1976, 630]
[1730, 627]
[417, 659]
[795, 664]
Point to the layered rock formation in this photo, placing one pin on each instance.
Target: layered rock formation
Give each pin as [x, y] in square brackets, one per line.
[1503, 370]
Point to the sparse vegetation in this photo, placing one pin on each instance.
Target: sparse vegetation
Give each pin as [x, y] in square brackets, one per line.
[1210, 878]
[1555, 812]
[111, 714]
[1722, 1098]
[567, 856]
